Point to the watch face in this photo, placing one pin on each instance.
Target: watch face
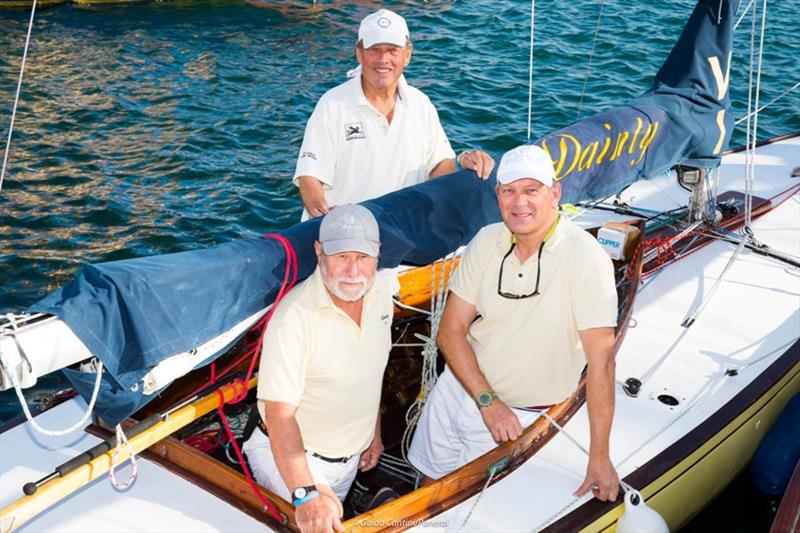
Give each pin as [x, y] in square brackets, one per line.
[484, 398]
[300, 492]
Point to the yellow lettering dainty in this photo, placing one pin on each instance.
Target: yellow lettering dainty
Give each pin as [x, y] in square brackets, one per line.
[565, 153]
[606, 144]
[647, 139]
[622, 138]
[587, 155]
[635, 134]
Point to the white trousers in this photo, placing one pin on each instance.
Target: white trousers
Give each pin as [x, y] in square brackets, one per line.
[338, 476]
[451, 432]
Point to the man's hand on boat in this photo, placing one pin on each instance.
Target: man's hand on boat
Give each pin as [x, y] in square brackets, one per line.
[478, 161]
[501, 421]
[322, 514]
[601, 479]
[313, 196]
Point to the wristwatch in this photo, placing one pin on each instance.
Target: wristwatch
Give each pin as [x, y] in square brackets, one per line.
[301, 495]
[485, 399]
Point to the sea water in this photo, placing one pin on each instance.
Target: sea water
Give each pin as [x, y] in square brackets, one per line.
[160, 127]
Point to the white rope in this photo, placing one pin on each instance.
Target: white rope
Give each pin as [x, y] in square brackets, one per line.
[478, 499]
[530, 71]
[763, 107]
[398, 303]
[591, 55]
[53, 433]
[122, 440]
[16, 98]
[749, 188]
[749, 5]
[429, 350]
[692, 318]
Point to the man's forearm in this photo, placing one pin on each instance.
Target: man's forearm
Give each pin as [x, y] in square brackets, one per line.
[600, 402]
[462, 361]
[444, 167]
[313, 196]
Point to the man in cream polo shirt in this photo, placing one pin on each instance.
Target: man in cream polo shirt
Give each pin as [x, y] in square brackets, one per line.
[375, 133]
[532, 302]
[319, 383]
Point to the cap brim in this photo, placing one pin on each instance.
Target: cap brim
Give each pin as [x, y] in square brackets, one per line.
[505, 180]
[371, 38]
[338, 246]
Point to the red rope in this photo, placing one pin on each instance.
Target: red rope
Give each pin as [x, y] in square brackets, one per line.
[254, 352]
[281, 518]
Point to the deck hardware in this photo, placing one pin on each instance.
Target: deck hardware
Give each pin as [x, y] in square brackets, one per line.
[632, 387]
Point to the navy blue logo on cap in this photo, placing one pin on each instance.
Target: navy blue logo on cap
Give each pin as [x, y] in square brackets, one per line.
[384, 22]
[353, 130]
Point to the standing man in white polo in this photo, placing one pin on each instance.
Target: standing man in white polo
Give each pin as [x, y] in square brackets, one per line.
[374, 133]
[319, 383]
[532, 302]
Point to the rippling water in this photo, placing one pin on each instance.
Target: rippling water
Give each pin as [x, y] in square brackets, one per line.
[156, 128]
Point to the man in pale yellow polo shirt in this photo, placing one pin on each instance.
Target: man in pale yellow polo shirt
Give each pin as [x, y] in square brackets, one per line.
[532, 302]
[319, 383]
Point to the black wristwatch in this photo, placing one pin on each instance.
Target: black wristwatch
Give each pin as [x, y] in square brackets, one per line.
[485, 399]
[301, 495]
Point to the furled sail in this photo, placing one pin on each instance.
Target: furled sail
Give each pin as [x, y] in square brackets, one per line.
[133, 314]
[682, 119]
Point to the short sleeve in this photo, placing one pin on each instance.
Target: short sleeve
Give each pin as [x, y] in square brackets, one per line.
[317, 157]
[439, 148]
[466, 281]
[593, 290]
[282, 372]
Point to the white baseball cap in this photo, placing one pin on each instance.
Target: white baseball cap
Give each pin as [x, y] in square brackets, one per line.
[383, 27]
[526, 161]
[349, 228]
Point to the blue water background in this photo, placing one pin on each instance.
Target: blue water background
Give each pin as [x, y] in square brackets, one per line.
[155, 128]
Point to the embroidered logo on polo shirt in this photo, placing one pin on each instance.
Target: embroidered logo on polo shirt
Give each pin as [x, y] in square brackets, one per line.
[310, 155]
[353, 130]
[385, 318]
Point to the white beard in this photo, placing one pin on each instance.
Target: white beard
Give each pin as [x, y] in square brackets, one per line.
[347, 295]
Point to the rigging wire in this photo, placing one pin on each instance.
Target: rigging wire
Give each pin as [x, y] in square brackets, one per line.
[763, 107]
[749, 5]
[530, 71]
[591, 55]
[16, 97]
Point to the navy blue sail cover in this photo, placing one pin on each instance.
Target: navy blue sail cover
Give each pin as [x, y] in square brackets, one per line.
[132, 314]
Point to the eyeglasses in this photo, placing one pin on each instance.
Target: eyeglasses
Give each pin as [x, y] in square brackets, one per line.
[538, 275]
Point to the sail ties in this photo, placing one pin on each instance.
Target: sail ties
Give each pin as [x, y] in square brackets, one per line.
[16, 97]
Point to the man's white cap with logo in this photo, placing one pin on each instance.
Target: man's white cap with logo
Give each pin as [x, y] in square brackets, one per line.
[349, 228]
[526, 161]
[383, 27]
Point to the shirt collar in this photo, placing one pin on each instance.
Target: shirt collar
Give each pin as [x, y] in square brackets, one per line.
[357, 91]
[556, 235]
